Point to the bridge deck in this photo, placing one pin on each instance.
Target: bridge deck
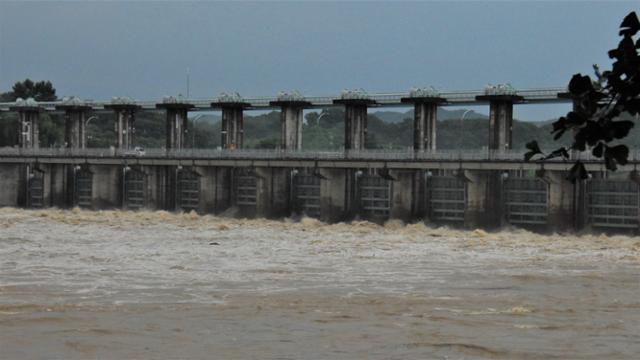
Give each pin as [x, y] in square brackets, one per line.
[453, 98]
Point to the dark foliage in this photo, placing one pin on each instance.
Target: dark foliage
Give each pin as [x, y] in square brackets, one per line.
[595, 120]
[39, 91]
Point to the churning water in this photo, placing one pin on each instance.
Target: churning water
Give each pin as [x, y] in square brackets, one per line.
[111, 284]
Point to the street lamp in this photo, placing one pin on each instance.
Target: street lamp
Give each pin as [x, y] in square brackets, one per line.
[86, 124]
[322, 113]
[193, 131]
[89, 119]
[462, 128]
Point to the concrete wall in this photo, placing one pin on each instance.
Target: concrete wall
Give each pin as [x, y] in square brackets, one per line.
[560, 203]
[272, 192]
[477, 206]
[213, 190]
[334, 205]
[405, 196]
[106, 186]
[58, 182]
[11, 184]
[338, 192]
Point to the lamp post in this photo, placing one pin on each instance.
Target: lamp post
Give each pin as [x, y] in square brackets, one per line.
[322, 113]
[462, 128]
[193, 130]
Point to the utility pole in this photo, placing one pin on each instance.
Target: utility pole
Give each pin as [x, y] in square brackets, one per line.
[188, 73]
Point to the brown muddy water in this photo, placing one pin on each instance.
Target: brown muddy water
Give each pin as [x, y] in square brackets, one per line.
[121, 285]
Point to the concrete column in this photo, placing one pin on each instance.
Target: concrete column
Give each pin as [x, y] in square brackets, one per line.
[176, 123]
[75, 130]
[28, 117]
[75, 118]
[484, 206]
[124, 128]
[232, 132]
[124, 124]
[560, 205]
[355, 122]
[405, 195]
[75, 133]
[29, 121]
[355, 127]
[425, 121]
[272, 192]
[334, 195]
[11, 180]
[176, 127]
[500, 120]
[291, 120]
[500, 125]
[232, 135]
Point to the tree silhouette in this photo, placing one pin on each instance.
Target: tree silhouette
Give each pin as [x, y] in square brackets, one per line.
[39, 91]
[598, 105]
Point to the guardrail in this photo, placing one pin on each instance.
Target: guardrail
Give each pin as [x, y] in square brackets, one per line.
[274, 154]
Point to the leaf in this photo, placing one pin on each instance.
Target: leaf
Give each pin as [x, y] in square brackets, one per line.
[533, 146]
[557, 153]
[559, 124]
[559, 134]
[620, 129]
[580, 84]
[630, 25]
[609, 162]
[534, 149]
[598, 150]
[575, 119]
[577, 172]
[633, 106]
[619, 152]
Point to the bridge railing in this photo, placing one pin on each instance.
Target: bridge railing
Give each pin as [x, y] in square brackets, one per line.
[276, 154]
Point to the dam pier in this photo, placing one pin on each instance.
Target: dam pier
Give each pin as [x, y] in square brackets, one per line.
[487, 188]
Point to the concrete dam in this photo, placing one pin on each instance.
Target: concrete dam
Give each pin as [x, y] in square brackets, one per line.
[486, 188]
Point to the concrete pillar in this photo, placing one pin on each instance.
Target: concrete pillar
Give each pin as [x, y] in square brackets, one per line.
[11, 182]
[272, 192]
[232, 132]
[355, 122]
[334, 195]
[124, 124]
[484, 206]
[291, 120]
[405, 195]
[500, 120]
[75, 118]
[176, 123]
[28, 117]
[425, 121]
[560, 201]
[124, 121]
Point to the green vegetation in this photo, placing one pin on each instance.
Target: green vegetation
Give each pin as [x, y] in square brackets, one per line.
[51, 126]
[604, 107]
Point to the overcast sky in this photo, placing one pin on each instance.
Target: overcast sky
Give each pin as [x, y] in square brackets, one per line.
[143, 49]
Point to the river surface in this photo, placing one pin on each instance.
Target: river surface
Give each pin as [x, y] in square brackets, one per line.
[154, 285]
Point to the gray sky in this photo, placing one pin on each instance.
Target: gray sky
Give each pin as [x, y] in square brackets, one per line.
[143, 49]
